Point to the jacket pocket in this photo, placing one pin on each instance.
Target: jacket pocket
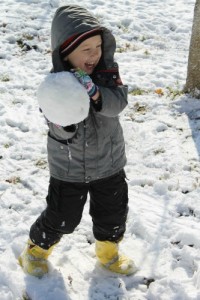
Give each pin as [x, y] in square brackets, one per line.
[117, 147]
[105, 125]
[58, 157]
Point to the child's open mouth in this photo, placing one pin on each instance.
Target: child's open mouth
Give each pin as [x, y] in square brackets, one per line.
[90, 66]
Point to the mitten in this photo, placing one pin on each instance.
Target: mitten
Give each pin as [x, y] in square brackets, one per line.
[86, 81]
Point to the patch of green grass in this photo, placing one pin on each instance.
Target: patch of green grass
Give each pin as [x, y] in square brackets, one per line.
[3, 25]
[28, 36]
[140, 108]
[41, 163]
[20, 43]
[7, 145]
[146, 52]
[13, 180]
[173, 92]
[126, 47]
[143, 38]
[138, 92]
[123, 28]
[5, 78]
[159, 151]
[25, 36]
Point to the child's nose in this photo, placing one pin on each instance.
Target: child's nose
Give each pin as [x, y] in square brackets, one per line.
[95, 53]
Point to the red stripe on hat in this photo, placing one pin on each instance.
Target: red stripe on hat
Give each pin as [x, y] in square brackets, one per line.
[67, 42]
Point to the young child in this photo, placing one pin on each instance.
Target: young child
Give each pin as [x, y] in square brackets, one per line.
[87, 157]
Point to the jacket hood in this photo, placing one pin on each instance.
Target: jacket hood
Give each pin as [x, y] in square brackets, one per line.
[73, 19]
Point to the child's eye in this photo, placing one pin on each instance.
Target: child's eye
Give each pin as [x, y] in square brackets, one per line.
[86, 49]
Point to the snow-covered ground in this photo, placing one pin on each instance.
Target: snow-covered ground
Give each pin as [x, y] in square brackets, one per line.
[161, 128]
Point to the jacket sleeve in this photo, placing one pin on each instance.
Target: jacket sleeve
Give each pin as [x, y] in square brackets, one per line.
[113, 94]
[114, 100]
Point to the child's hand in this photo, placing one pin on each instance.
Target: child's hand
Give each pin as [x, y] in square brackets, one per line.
[86, 81]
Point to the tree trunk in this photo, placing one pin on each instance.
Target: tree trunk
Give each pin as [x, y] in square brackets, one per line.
[193, 72]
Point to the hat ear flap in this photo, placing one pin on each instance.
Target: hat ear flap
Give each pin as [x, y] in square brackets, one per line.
[57, 62]
[67, 65]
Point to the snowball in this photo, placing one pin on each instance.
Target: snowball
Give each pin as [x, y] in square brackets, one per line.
[63, 100]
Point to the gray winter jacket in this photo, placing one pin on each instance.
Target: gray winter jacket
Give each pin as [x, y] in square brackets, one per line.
[95, 149]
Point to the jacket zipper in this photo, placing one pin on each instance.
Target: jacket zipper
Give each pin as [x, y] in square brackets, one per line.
[96, 160]
[84, 142]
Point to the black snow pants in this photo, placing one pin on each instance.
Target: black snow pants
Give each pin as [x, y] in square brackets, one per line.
[65, 204]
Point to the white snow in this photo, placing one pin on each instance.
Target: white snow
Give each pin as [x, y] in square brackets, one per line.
[58, 101]
[161, 128]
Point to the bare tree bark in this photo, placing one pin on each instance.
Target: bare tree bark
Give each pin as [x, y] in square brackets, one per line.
[193, 72]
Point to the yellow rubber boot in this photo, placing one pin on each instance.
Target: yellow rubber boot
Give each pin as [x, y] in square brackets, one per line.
[107, 254]
[33, 259]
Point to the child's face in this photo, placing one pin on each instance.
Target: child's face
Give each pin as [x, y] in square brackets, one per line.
[87, 55]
